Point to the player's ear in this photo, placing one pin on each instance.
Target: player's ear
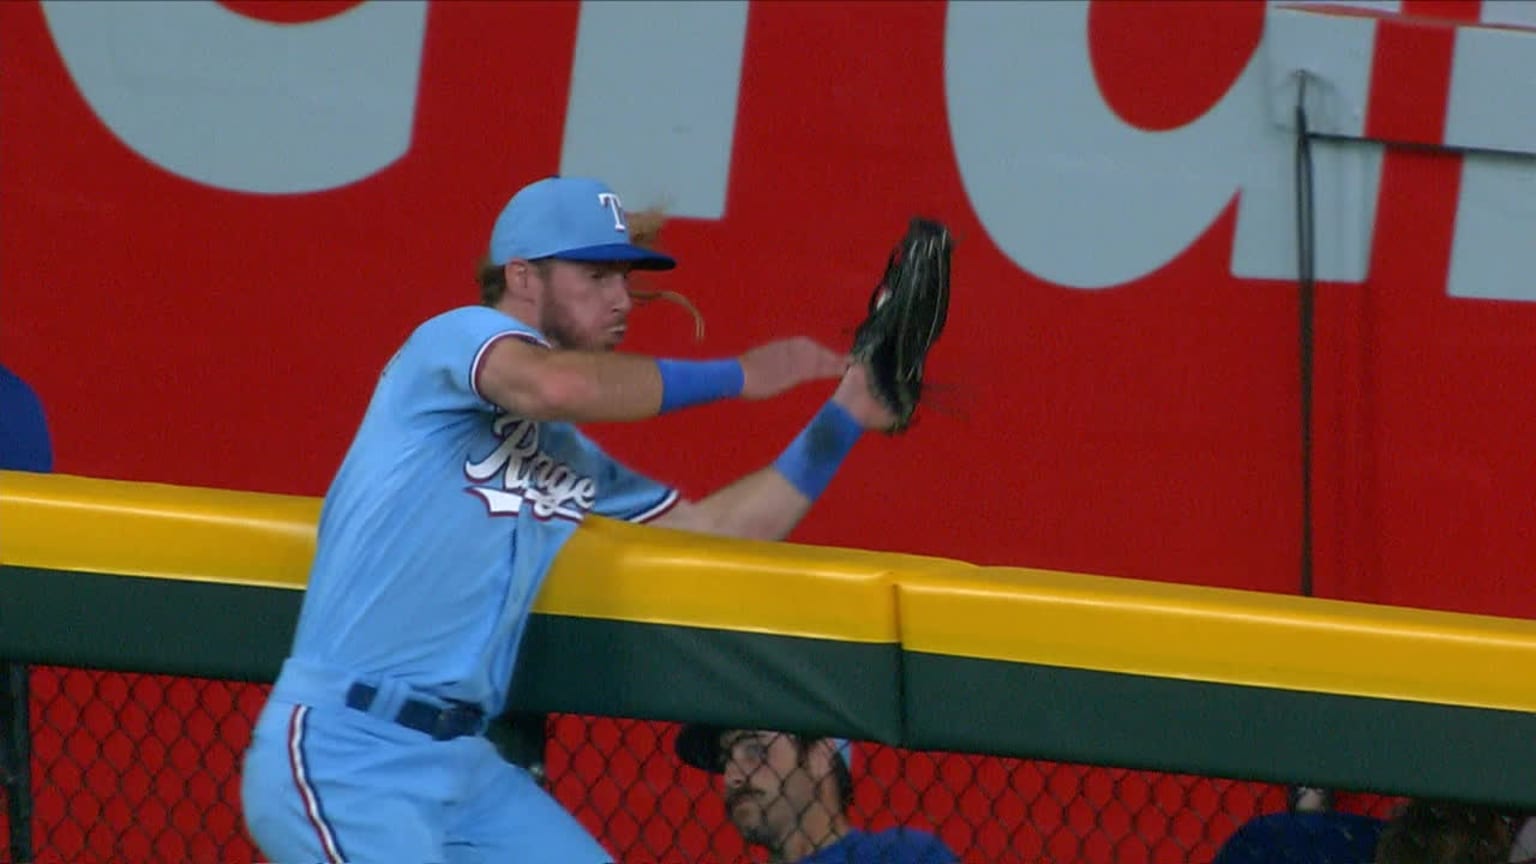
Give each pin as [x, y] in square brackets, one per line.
[517, 273]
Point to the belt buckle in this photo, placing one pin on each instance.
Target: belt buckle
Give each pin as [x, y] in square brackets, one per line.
[443, 727]
[455, 721]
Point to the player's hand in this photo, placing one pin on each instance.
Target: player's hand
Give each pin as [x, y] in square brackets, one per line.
[856, 397]
[770, 369]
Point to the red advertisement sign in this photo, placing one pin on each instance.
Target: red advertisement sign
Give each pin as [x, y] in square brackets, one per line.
[219, 220]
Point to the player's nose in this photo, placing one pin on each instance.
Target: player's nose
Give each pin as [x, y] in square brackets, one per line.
[618, 287]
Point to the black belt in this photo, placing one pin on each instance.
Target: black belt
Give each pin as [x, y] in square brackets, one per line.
[443, 724]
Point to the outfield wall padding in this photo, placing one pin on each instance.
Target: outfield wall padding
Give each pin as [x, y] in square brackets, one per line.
[912, 651]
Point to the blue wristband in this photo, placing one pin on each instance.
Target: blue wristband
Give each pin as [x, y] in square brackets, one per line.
[809, 461]
[695, 382]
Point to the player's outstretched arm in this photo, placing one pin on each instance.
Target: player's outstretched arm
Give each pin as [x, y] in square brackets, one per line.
[767, 504]
[540, 383]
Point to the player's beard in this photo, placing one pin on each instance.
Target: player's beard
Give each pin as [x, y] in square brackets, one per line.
[562, 330]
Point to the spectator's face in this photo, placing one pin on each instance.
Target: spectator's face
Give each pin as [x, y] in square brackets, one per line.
[767, 784]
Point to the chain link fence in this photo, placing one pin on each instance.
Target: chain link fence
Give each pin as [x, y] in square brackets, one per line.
[145, 768]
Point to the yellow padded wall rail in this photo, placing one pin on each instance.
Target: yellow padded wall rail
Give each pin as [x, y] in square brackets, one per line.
[1222, 636]
[608, 569]
[619, 571]
[62, 522]
[616, 571]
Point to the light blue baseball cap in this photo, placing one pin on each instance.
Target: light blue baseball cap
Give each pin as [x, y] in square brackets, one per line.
[571, 218]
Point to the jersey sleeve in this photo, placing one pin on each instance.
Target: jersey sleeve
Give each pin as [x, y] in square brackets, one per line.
[628, 495]
[439, 365]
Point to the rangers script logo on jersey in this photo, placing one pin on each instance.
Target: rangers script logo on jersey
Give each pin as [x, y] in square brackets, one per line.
[528, 474]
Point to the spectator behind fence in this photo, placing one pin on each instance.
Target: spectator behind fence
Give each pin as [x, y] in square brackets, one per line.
[1443, 832]
[1321, 837]
[790, 794]
[24, 443]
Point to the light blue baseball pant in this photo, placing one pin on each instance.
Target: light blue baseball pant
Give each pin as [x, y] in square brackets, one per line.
[329, 783]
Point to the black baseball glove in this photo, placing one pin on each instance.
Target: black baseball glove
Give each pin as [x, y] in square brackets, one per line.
[906, 316]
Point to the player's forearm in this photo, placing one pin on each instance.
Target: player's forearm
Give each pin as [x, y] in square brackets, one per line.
[760, 506]
[583, 387]
[580, 387]
[768, 504]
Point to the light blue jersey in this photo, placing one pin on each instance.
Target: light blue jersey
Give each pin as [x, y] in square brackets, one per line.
[447, 512]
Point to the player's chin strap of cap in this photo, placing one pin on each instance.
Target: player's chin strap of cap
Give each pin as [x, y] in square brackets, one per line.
[444, 723]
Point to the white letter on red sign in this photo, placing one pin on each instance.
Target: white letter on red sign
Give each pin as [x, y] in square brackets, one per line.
[1493, 106]
[221, 99]
[1078, 197]
[652, 110]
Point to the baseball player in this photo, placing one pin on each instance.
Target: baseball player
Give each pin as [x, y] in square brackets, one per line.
[464, 479]
[790, 794]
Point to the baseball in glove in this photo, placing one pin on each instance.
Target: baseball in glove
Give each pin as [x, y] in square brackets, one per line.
[906, 316]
